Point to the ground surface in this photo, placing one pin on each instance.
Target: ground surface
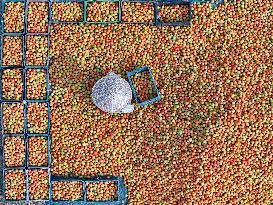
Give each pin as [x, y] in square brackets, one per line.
[208, 141]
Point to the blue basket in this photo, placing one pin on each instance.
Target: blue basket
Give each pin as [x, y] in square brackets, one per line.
[2, 11]
[84, 7]
[48, 43]
[37, 1]
[4, 184]
[28, 182]
[2, 123]
[3, 147]
[47, 166]
[2, 50]
[48, 116]
[45, 68]
[1, 85]
[139, 1]
[118, 20]
[139, 70]
[175, 23]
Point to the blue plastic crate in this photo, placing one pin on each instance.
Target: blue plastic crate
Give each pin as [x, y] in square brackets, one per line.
[4, 184]
[170, 3]
[47, 166]
[122, 191]
[1, 85]
[48, 116]
[86, 2]
[2, 12]
[2, 123]
[2, 48]
[139, 1]
[28, 182]
[139, 70]
[37, 1]
[68, 22]
[48, 151]
[45, 68]
[25, 49]
[3, 147]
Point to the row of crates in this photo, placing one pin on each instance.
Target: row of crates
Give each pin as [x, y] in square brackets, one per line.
[81, 193]
[119, 14]
[25, 134]
[84, 4]
[20, 168]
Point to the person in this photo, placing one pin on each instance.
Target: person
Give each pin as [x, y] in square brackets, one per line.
[113, 94]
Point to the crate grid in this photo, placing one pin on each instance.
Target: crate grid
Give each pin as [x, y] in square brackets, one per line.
[24, 99]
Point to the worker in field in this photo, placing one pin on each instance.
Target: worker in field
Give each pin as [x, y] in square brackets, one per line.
[113, 94]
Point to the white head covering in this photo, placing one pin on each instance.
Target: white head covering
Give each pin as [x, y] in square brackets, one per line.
[113, 94]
